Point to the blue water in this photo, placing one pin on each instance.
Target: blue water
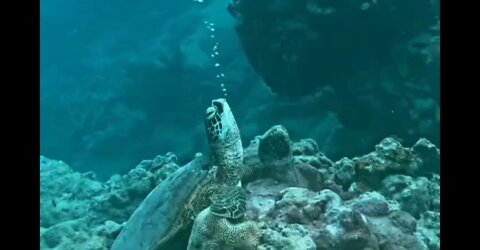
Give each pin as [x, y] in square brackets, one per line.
[123, 80]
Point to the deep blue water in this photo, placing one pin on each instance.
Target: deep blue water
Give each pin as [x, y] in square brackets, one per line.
[123, 80]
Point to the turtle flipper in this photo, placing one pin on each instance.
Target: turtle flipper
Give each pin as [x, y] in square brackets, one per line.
[213, 172]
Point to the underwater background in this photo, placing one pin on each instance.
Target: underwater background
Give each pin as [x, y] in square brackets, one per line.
[124, 86]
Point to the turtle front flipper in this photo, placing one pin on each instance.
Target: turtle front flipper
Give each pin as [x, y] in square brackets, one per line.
[165, 211]
[213, 172]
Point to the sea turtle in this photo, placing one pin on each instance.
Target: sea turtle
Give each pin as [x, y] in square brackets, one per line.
[175, 202]
[221, 226]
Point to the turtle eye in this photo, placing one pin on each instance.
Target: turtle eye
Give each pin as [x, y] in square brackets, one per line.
[219, 106]
[210, 112]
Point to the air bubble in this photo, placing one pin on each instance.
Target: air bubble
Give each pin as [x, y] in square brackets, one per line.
[214, 53]
[365, 6]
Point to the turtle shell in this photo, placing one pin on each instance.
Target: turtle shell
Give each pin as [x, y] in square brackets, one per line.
[156, 218]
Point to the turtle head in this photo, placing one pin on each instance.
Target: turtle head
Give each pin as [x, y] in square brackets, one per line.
[219, 121]
[230, 202]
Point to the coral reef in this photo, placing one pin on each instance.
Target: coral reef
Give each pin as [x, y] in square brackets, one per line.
[77, 210]
[390, 158]
[415, 196]
[300, 199]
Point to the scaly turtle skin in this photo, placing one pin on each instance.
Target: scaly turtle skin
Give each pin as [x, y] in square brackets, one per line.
[217, 227]
[176, 201]
[212, 232]
[220, 226]
[224, 140]
[229, 202]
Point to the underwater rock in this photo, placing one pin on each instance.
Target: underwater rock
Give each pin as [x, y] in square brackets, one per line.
[390, 158]
[403, 220]
[158, 169]
[275, 152]
[303, 47]
[309, 168]
[288, 237]
[63, 209]
[139, 182]
[57, 178]
[158, 162]
[370, 204]
[395, 184]
[305, 147]
[428, 156]
[365, 222]
[391, 237]
[298, 197]
[162, 173]
[415, 196]
[357, 240]
[330, 202]
[78, 212]
[288, 68]
[435, 193]
[263, 195]
[318, 161]
[254, 168]
[64, 194]
[274, 149]
[77, 234]
[308, 209]
[109, 229]
[345, 171]
[304, 175]
[128, 191]
[429, 229]
[70, 235]
[324, 240]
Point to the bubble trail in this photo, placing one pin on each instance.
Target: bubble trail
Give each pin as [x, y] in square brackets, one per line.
[214, 53]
